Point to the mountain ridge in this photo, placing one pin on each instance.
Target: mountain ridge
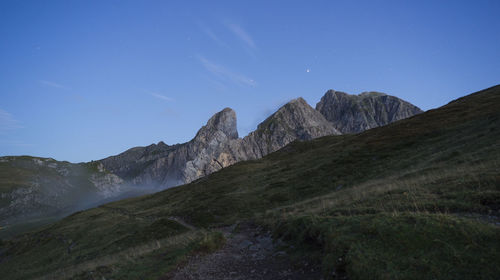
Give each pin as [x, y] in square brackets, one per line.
[356, 113]
[409, 200]
[296, 120]
[141, 170]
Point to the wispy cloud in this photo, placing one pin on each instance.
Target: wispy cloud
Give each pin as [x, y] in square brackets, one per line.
[226, 74]
[216, 84]
[8, 122]
[207, 31]
[15, 143]
[52, 84]
[68, 92]
[162, 97]
[241, 34]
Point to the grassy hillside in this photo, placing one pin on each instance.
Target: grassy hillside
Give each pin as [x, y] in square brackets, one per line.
[417, 199]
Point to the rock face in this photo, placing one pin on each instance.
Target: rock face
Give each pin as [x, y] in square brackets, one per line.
[357, 113]
[166, 166]
[296, 120]
[210, 150]
[216, 145]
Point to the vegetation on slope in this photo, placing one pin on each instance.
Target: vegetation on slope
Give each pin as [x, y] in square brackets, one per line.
[417, 199]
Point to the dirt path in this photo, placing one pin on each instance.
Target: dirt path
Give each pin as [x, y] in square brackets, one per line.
[248, 254]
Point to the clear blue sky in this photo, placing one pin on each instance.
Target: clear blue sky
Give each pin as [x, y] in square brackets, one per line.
[82, 80]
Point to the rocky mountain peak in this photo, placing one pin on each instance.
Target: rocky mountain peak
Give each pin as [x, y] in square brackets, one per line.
[372, 94]
[331, 93]
[222, 122]
[295, 120]
[162, 144]
[356, 113]
[299, 101]
[216, 145]
[295, 113]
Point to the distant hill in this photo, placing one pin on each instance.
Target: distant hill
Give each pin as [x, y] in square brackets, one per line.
[415, 199]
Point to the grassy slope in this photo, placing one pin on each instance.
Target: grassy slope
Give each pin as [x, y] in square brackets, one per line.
[392, 202]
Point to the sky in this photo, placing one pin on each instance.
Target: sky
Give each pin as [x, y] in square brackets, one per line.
[83, 80]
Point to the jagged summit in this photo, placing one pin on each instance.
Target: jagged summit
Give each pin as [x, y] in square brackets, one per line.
[298, 116]
[335, 92]
[372, 94]
[298, 100]
[331, 93]
[356, 113]
[224, 122]
[216, 145]
[295, 120]
[162, 144]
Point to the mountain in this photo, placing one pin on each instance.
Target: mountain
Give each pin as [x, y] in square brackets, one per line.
[39, 190]
[357, 113]
[415, 199]
[216, 145]
[54, 189]
[296, 120]
[168, 166]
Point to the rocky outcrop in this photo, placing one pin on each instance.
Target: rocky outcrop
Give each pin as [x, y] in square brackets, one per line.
[296, 120]
[357, 113]
[216, 145]
[166, 166]
[210, 150]
[108, 184]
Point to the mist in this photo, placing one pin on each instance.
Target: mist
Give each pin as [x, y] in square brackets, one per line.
[81, 201]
